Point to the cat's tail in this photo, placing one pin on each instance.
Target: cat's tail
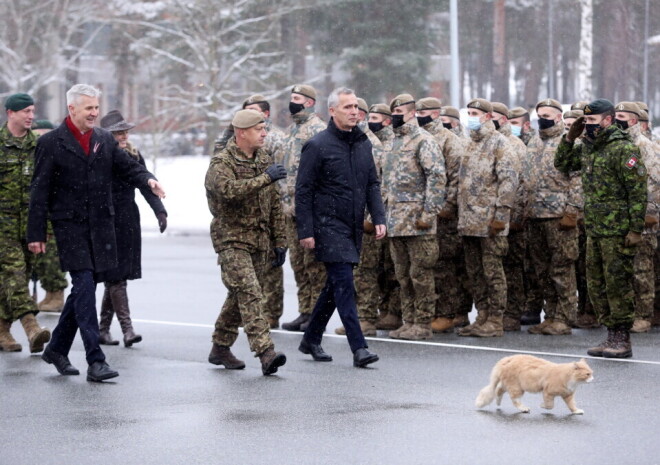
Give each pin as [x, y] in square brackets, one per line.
[487, 394]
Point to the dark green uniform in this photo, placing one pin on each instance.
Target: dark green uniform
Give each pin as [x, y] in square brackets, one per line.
[615, 195]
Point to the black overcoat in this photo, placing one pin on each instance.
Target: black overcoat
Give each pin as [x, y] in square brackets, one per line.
[74, 191]
[336, 179]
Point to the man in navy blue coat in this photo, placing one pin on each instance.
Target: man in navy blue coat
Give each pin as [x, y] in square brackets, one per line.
[336, 180]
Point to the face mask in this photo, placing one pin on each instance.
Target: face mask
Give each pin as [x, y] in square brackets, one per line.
[516, 130]
[375, 127]
[497, 124]
[447, 125]
[473, 123]
[545, 123]
[592, 130]
[622, 124]
[397, 121]
[424, 120]
[296, 107]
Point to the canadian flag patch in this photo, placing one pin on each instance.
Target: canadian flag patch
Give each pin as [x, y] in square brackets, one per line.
[632, 161]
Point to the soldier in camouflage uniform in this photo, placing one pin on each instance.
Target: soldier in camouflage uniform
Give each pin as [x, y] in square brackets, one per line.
[449, 270]
[451, 120]
[309, 274]
[17, 144]
[615, 196]
[247, 220]
[487, 183]
[414, 182]
[644, 123]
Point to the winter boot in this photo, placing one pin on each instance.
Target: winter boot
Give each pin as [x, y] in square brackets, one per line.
[389, 322]
[53, 302]
[7, 341]
[37, 336]
[556, 328]
[367, 327]
[641, 326]
[417, 332]
[442, 325]
[493, 327]
[221, 355]
[600, 348]
[482, 316]
[538, 329]
[396, 334]
[119, 299]
[271, 361]
[295, 324]
[107, 312]
[620, 346]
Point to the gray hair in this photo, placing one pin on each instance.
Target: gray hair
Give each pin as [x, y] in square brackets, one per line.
[333, 98]
[77, 90]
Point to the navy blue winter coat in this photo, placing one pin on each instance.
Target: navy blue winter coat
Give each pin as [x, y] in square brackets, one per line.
[336, 179]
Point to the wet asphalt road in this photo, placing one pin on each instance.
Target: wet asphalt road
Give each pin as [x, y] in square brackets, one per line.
[169, 406]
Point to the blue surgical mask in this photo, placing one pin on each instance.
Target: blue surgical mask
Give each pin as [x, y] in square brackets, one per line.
[516, 130]
[473, 123]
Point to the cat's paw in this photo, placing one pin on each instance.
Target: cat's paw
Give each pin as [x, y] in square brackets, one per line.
[547, 407]
[524, 409]
[578, 411]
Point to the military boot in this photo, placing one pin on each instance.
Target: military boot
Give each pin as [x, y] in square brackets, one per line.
[461, 321]
[120, 305]
[511, 324]
[587, 321]
[655, 320]
[271, 361]
[367, 327]
[620, 347]
[600, 348]
[641, 326]
[37, 336]
[105, 320]
[556, 328]
[482, 316]
[295, 324]
[7, 341]
[442, 325]
[493, 327]
[53, 302]
[389, 322]
[538, 329]
[417, 332]
[222, 355]
[396, 334]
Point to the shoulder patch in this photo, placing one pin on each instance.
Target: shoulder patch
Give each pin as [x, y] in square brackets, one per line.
[632, 162]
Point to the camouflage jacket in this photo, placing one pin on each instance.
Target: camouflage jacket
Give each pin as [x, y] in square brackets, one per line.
[613, 181]
[306, 125]
[530, 136]
[451, 147]
[549, 193]
[245, 204]
[651, 158]
[414, 181]
[16, 168]
[520, 156]
[487, 182]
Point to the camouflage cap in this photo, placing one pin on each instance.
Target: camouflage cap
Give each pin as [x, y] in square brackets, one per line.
[480, 104]
[452, 112]
[304, 89]
[18, 102]
[42, 124]
[428, 103]
[579, 105]
[643, 106]
[549, 102]
[252, 99]
[628, 107]
[644, 116]
[573, 114]
[244, 119]
[401, 99]
[500, 108]
[598, 107]
[517, 112]
[362, 105]
[381, 108]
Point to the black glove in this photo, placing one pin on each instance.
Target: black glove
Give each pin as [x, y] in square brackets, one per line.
[280, 256]
[276, 172]
[162, 221]
[576, 129]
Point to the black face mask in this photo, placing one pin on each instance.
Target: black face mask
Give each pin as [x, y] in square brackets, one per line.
[375, 127]
[447, 125]
[424, 120]
[497, 124]
[397, 121]
[592, 130]
[296, 107]
[622, 124]
[545, 123]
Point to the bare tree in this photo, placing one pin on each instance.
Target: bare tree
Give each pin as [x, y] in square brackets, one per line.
[585, 86]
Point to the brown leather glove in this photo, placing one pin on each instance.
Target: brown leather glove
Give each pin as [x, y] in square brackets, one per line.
[650, 221]
[576, 129]
[422, 225]
[368, 227]
[496, 227]
[632, 239]
[568, 222]
[446, 215]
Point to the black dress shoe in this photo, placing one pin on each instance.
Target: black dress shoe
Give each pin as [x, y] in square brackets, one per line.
[295, 324]
[315, 350]
[100, 371]
[60, 361]
[363, 357]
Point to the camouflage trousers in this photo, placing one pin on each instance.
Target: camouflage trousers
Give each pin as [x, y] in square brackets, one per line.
[450, 275]
[16, 263]
[309, 274]
[514, 265]
[47, 268]
[368, 292]
[483, 260]
[584, 304]
[242, 274]
[533, 292]
[414, 260]
[273, 290]
[644, 283]
[391, 299]
[553, 253]
[610, 276]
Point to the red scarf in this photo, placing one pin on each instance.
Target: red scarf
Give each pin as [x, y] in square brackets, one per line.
[83, 139]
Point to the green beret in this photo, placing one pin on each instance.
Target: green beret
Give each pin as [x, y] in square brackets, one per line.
[304, 89]
[573, 114]
[644, 116]
[42, 124]
[428, 103]
[252, 99]
[381, 108]
[401, 99]
[517, 112]
[628, 107]
[643, 106]
[452, 112]
[244, 119]
[18, 102]
[598, 107]
[500, 108]
[480, 104]
[579, 105]
[549, 102]
[362, 105]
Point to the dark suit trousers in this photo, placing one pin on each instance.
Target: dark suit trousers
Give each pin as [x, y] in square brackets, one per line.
[339, 293]
[79, 312]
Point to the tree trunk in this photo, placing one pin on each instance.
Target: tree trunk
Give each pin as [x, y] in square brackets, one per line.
[584, 83]
[500, 63]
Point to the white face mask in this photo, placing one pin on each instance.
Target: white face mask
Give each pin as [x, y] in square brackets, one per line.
[473, 123]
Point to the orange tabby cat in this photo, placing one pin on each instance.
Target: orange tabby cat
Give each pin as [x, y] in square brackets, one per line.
[524, 373]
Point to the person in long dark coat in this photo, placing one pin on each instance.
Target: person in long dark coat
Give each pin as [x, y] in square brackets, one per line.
[72, 185]
[129, 239]
[336, 180]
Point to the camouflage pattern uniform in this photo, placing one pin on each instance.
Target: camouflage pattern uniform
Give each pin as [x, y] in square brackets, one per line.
[615, 195]
[47, 266]
[414, 185]
[551, 194]
[487, 183]
[247, 220]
